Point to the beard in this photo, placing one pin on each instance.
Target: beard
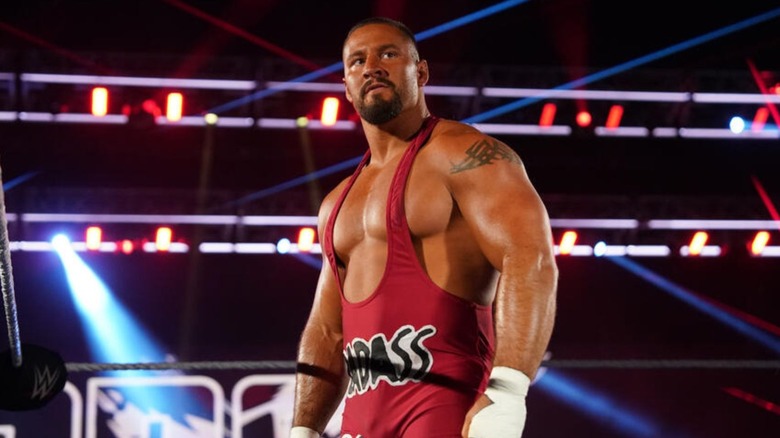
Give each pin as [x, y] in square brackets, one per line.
[379, 111]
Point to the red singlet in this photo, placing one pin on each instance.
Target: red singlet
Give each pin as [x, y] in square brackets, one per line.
[417, 356]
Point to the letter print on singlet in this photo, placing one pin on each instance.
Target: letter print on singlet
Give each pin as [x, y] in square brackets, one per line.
[398, 361]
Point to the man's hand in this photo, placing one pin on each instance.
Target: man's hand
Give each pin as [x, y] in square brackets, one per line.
[481, 402]
[499, 412]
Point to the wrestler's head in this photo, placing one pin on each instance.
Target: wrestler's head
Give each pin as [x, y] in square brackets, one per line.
[383, 73]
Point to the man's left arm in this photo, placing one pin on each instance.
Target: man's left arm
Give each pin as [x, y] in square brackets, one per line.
[511, 225]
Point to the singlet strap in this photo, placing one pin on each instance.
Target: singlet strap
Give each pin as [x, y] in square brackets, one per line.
[328, 247]
[396, 211]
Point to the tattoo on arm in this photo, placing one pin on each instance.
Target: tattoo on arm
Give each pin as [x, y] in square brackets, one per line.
[485, 151]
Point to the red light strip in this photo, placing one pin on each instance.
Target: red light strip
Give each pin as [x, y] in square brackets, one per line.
[615, 114]
[767, 201]
[244, 34]
[764, 91]
[548, 114]
[759, 120]
[56, 49]
[752, 399]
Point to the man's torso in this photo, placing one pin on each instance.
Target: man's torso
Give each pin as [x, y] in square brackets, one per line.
[417, 346]
[443, 242]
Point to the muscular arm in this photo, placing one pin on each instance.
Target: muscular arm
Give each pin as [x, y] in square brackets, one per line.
[510, 223]
[320, 379]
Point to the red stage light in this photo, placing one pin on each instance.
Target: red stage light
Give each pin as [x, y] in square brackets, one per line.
[306, 239]
[99, 101]
[94, 236]
[174, 107]
[568, 240]
[759, 243]
[127, 246]
[330, 111]
[615, 114]
[762, 115]
[151, 107]
[548, 114]
[697, 243]
[584, 119]
[162, 240]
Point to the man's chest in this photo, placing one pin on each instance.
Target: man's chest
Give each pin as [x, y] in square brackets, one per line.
[425, 200]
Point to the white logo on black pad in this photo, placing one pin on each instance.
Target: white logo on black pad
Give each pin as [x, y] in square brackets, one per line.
[397, 361]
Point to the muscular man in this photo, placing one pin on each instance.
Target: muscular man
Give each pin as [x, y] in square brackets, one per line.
[436, 300]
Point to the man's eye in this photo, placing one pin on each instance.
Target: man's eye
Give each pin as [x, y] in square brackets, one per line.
[389, 54]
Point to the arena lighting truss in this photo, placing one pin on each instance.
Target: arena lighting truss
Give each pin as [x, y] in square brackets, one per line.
[285, 246]
[664, 97]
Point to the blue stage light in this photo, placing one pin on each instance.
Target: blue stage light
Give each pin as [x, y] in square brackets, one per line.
[598, 406]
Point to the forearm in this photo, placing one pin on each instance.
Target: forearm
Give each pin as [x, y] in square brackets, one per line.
[320, 378]
[524, 319]
[525, 314]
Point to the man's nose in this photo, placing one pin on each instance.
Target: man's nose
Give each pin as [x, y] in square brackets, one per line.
[373, 68]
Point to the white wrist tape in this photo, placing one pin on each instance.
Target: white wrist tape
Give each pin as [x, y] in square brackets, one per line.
[505, 418]
[303, 432]
[507, 381]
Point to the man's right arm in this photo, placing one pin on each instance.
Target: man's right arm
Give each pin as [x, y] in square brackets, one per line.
[320, 378]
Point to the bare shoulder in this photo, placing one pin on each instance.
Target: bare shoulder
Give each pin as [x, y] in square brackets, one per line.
[452, 133]
[463, 147]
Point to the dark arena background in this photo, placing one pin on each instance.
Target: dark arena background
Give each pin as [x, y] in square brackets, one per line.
[157, 250]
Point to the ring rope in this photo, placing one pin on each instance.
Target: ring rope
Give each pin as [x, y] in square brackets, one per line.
[7, 282]
[553, 363]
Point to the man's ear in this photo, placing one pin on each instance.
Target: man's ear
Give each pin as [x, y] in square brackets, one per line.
[422, 72]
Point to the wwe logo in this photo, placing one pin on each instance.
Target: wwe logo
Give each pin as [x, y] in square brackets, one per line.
[44, 383]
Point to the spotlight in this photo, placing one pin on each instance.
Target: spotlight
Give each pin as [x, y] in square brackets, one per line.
[584, 119]
[548, 114]
[697, 243]
[283, 246]
[127, 246]
[306, 239]
[615, 114]
[151, 107]
[60, 242]
[211, 118]
[759, 243]
[737, 125]
[759, 120]
[599, 249]
[162, 239]
[567, 242]
[99, 101]
[173, 109]
[330, 111]
[94, 236]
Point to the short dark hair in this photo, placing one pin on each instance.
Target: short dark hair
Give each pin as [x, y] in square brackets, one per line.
[388, 21]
